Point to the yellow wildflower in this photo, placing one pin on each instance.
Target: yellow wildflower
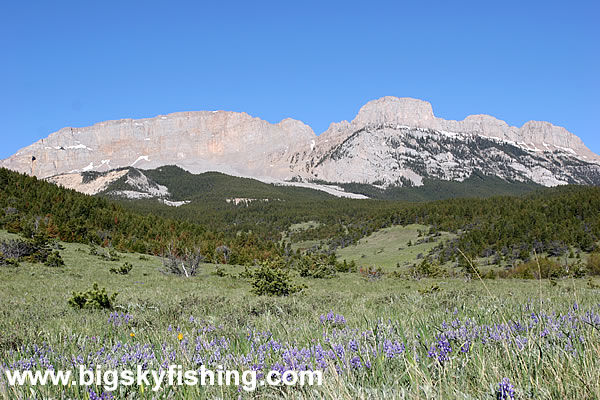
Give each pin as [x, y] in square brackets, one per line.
[180, 336]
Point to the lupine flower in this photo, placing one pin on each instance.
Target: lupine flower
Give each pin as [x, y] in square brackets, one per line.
[335, 347]
[506, 390]
[119, 319]
[355, 362]
[102, 396]
[333, 319]
[440, 350]
[465, 347]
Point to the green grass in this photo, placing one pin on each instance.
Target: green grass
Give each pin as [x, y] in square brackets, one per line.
[390, 246]
[35, 312]
[303, 226]
[305, 244]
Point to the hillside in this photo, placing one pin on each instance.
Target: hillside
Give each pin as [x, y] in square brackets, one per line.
[477, 185]
[547, 220]
[182, 185]
[29, 206]
[175, 186]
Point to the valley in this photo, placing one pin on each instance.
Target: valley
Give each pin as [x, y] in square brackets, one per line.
[400, 255]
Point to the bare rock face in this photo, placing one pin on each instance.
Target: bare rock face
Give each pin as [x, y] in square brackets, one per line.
[77, 182]
[392, 110]
[419, 114]
[234, 143]
[390, 141]
[400, 141]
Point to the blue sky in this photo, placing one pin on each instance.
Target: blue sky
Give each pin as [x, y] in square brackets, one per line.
[76, 63]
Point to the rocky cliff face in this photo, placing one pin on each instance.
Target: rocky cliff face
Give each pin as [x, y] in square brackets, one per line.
[396, 155]
[234, 143]
[391, 141]
[400, 141]
[407, 112]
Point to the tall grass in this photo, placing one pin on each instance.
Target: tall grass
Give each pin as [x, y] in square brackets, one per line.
[389, 338]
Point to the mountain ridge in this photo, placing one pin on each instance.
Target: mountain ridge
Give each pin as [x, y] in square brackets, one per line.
[389, 141]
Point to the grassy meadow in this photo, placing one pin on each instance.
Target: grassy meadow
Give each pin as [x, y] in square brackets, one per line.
[390, 337]
[394, 246]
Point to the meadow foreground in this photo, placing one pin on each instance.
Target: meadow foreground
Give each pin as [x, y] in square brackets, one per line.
[372, 338]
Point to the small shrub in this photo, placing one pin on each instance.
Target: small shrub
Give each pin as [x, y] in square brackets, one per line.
[371, 273]
[8, 262]
[122, 270]
[110, 255]
[468, 266]
[94, 298]
[222, 254]
[532, 269]
[318, 266]
[578, 270]
[432, 289]
[54, 260]
[398, 275]
[346, 267]
[246, 273]
[220, 271]
[93, 250]
[557, 249]
[34, 250]
[55, 245]
[490, 274]
[272, 280]
[427, 269]
[17, 249]
[186, 264]
[593, 264]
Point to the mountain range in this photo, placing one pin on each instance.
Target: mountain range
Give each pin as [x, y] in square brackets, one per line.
[392, 142]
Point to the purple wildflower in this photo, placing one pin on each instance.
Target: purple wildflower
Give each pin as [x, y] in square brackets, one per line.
[332, 319]
[506, 391]
[355, 362]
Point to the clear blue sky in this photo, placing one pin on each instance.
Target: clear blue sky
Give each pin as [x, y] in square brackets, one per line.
[74, 63]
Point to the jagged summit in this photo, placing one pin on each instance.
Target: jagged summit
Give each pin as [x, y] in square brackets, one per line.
[416, 113]
[390, 141]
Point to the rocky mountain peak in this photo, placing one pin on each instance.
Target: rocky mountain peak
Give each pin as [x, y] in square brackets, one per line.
[297, 128]
[389, 109]
[541, 132]
[538, 135]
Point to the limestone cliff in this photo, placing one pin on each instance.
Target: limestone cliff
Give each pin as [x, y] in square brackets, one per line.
[390, 141]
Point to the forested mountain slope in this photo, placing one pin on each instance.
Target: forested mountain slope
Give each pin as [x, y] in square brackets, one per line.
[547, 220]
